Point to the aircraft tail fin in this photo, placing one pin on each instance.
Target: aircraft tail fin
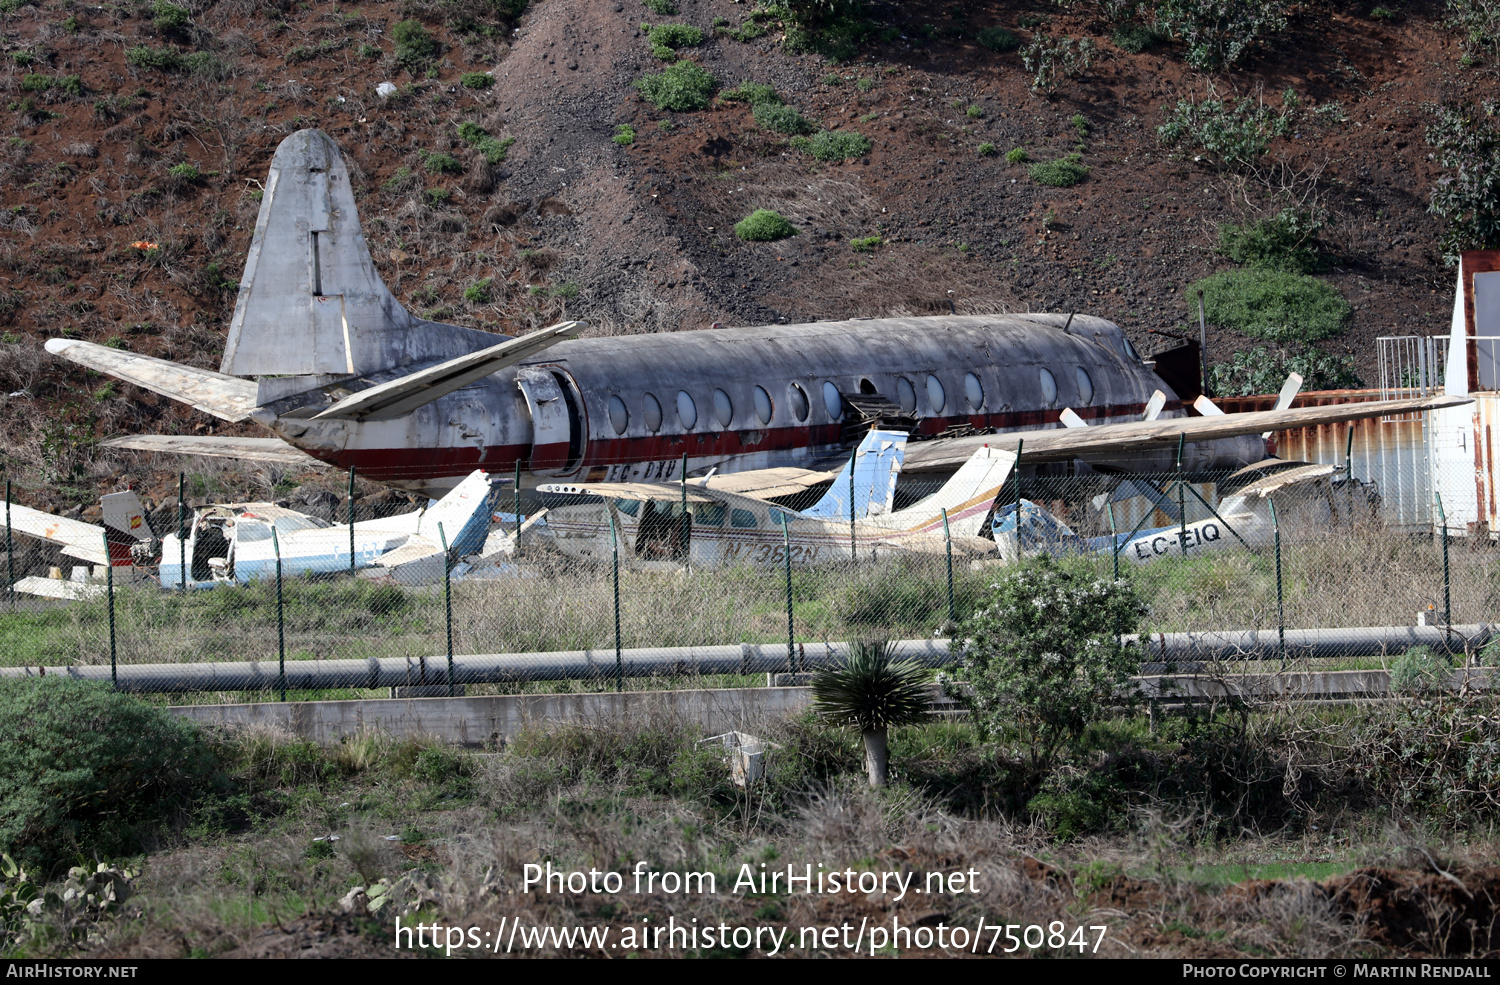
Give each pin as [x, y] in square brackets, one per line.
[125, 526]
[464, 514]
[876, 465]
[311, 302]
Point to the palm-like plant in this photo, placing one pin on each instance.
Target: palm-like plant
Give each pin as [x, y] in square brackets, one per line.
[873, 693]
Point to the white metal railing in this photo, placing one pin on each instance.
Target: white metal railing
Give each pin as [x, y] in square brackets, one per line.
[1411, 365]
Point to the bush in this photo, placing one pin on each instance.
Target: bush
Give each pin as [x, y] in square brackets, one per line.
[1240, 133]
[494, 149]
[1134, 38]
[1061, 173]
[624, 135]
[873, 694]
[987, 150]
[753, 93]
[1479, 23]
[169, 16]
[85, 764]
[1051, 60]
[974, 112]
[474, 80]
[865, 244]
[1273, 305]
[664, 8]
[782, 119]
[834, 145]
[682, 88]
[415, 48]
[440, 163]
[675, 36]
[1263, 370]
[998, 39]
[205, 65]
[1042, 657]
[185, 172]
[1467, 142]
[1220, 33]
[764, 226]
[1017, 155]
[1286, 241]
[161, 59]
[481, 291]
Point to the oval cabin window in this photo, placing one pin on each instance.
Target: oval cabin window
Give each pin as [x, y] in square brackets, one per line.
[653, 413]
[832, 401]
[800, 405]
[723, 409]
[763, 405]
[973, 391]
[619, 417]
[687, 411]
[906, 396]
[1049, 387]
[1085, 385]
[936, 398]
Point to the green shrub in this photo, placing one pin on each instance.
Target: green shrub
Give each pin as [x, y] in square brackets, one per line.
[438, 765]
[440, 163]
[1043, 655]
[1286, 241]
[1080, 124]
[872, 693]
[1420, 670]
[987, 150]
[1134, 38]
[675, 36]
[1220, 33]
[663, 54]
[476, 80]
[664, 8]
[974, 112]
[1273, 305]
[1263, 370]
[866, 244]
[1061, 173]
[169, 16]
[438, 197]
[998, 39]
[204, 65]
[185, 172]
[481, 291]
[1382, 14]
[369, 51]
[834, 145]
[753, 93]
[1236, 134]
[764, 226]
[161, 59]
[682, 88]
[624, 135]
[494, 149]
[85, 765]
[1467, 142]
[1478, 23]
[782, 119]
[1017, 155]
[415, 48]
[1051, 60]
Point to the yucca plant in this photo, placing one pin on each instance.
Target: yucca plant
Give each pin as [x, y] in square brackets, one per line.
[873, 693]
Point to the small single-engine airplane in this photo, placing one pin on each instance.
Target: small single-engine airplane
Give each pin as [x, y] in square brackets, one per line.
[324, 357]
[239, 542]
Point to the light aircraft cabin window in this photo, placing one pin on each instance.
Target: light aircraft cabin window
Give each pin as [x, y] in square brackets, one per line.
[1049, 387]
[630, 507]
[653, 413]
[619, 417]
[906, 395]
[833, 401]
[723, 409]
[250, 530]
[800, 405]
[291, 524]
[763, 405]
[708, 515]
[936, 398]
[1085, 385]
[974, 391]
[741, 518]
[687, 411]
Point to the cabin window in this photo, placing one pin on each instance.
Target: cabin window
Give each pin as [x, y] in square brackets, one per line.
[630, 507]
[741, 518]
[763, 405]
[1085, 385]
[653, 413]
[248, 531]
[973, 391]
[1049, 387]
[291, 524]
[709, 514]
[687, 411]
[800, 404]
[832, 401]
[619, 417]
[723, 409]
[906, 395]
[936, 398]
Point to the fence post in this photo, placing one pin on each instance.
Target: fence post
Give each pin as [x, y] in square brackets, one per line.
[447, 605]
[1020, 444]
[685, 522]
[1280, 603]
[182, 532]
[10, 552]
[1181, 499]
[280, 619]
[853, 463]
[1349, 471]
[614, 546]
[1447, 584]
[515, 500]
[948, 539]
[1114, 538]
[351, 519]
[109, 590]
[786, 544]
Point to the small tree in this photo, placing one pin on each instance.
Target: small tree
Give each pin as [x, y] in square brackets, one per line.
[874, 694]
[1043, 653]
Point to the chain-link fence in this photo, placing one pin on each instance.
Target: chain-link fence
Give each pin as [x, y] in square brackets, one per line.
[648, 594]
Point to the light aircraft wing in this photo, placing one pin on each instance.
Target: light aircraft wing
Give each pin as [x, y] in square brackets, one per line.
[661, 492]
[82, 540]
[1064, 443]
[402, 396]
[243, 449]
[222, 396]
[764, 483]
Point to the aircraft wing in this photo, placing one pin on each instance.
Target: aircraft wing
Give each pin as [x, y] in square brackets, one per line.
[765, 483]
[243, 449]
[222, 396]
[1065, 443]
[84, 541]
[661, 492]
[402, 396]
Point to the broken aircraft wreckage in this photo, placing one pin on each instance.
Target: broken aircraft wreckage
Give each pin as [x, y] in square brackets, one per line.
[322, 355]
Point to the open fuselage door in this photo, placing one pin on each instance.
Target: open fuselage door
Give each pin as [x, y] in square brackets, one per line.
[557, 425]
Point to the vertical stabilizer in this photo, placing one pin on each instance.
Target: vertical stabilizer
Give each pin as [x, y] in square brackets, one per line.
[877, 465]
[311, 301]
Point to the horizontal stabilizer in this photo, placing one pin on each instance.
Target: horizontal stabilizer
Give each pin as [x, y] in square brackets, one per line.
[402, 396]
[214, 393]
[247, 449]
[85, 539]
